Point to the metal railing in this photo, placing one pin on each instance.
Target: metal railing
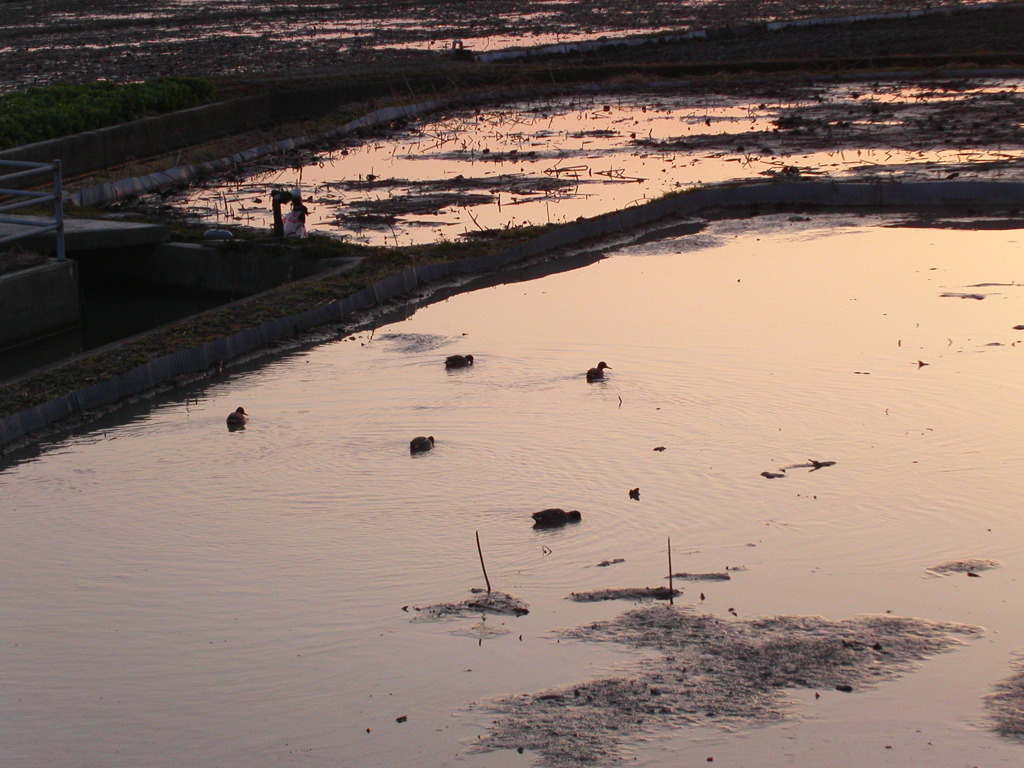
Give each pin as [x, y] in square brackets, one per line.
[25, 198]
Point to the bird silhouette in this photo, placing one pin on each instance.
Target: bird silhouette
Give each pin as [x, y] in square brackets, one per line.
[597, 372]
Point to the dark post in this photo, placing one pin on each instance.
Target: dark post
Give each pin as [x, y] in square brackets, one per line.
[484, 567]
[671, 599]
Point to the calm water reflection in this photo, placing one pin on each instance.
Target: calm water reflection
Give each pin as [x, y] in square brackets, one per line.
[180, 595]
[553, 160]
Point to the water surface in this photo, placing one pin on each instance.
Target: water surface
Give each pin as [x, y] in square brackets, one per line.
[180, 595]
[552, 160]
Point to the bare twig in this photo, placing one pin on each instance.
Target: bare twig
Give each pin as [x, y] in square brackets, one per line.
[482, 566]
[671, 591]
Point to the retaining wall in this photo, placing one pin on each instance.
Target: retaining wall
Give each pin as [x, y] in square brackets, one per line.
[208, 268]
[152, 136]
[955, 195]
[122, 189]
[38, 302]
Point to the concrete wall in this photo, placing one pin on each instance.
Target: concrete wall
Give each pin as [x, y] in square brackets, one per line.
[232, 272]
[134, 186]
[38, 301]
[152, 136]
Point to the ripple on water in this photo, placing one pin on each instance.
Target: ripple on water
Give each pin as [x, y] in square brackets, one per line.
[265, 570]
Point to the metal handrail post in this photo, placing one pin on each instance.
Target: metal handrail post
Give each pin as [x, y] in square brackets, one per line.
[58, 209]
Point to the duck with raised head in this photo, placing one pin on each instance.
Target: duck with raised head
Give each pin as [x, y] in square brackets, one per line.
[597, 373]
[552, 518]
[421, 444]
[458, 361]
[237, 418]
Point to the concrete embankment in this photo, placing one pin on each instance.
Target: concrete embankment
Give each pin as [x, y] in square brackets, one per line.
[93, 151]
[38, 302]
[44, 300]
[740, 200]
[180, 175]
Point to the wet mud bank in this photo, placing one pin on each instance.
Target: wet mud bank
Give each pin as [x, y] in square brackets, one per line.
[711, 670]
[1006, 702]
[728, 200]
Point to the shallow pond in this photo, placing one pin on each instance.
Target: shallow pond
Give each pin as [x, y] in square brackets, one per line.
[555, 160]
[178, 594]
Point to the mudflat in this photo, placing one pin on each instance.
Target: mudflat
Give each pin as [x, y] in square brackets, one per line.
[45, 41]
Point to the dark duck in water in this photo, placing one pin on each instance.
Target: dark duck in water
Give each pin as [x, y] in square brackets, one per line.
[421, 444]
[552, 518]
[597, 373]
[237, 418]
[458, 361]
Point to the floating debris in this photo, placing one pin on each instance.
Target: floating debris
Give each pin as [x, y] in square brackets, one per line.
[634, 494]
[952, 295]
[967, 566]
[411, 343]
[711, 670]
[606, 563]
[482, 630]
[492, 602]
[720, 576]
[811, 465]
[814, 465]
[625, 593]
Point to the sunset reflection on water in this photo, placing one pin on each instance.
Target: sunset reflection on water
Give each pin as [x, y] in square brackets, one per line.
[551, 161]
[182, 595]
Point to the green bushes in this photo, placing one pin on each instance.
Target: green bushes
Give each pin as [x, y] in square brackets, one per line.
[39, 114]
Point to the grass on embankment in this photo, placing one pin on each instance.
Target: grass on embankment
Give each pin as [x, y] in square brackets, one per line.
[60, 110]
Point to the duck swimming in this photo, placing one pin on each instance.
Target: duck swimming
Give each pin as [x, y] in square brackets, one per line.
[237, 418]
[552, 518]
[597, 373]
[458, 361]
[421, 444]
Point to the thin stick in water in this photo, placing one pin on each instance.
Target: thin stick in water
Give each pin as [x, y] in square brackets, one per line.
[482, 566]
[671, 591]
